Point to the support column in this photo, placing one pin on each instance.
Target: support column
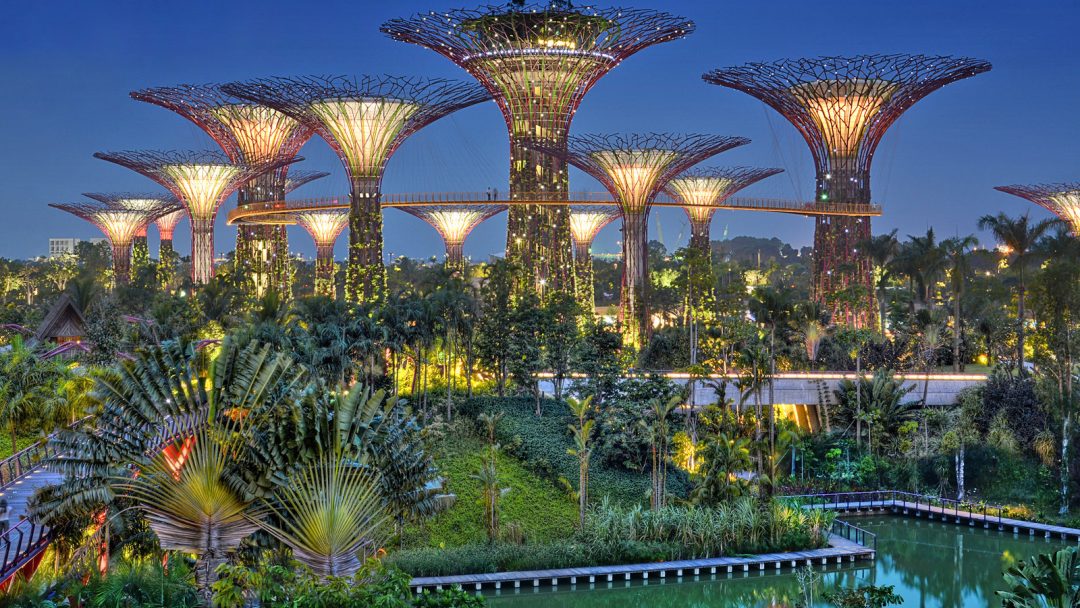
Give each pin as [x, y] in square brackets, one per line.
[262, 251]
[202, 250]
[632, 310]
[121, 258]
[538, 236]
[584, 280]
[455, 257]
[843, 277]
[324, 270]
[365, 277]
[140, 251]
[699, 234]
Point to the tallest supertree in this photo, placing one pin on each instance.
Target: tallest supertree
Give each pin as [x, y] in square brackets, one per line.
[843, 106]
[538, 61]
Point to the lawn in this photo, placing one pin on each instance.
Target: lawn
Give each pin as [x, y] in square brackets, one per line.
[542, 511]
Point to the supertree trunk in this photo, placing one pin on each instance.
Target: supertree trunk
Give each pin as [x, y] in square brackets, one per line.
[584, 288]
[324, 271]
[140, 252]
[121, 255]
[844, 278]
[538, 236]
[455, 257]
[166, 271]
[202, 250]
[699, 235]
[365, 277]
[632, 310]
[262, 251]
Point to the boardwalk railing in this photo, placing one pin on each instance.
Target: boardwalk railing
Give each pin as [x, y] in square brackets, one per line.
[26, 460]
[855, 534]
[21, 544]
[880, 499]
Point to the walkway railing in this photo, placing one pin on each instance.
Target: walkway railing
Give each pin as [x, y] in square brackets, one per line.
[855, 534]
[890, 498]
[278, 212]
[21, 544]
[24, 461]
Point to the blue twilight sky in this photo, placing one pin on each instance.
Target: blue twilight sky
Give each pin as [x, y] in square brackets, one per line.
[68, 66]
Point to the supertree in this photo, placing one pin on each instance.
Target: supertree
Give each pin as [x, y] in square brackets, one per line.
[586, 221]
[701, 190]
[634, 169]
[139, 201]
[201, 180]
[364, 120]
[842, 106]
[1063, 200]
[119, 224]
[324, 226]
[250, 134]
[538, 61]
[453, 223]
[299, 178]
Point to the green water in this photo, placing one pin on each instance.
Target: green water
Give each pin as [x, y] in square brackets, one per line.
[931, 564]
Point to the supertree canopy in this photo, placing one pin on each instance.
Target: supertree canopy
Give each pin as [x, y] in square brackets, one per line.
[364, 120]
[139, 201]
[1063, 200]
[538, 61]
[842, 106]
[454, 223]
[298, 178]
[250, 134]
[586, 221]
[201, 181]
[324, 226]
[120, 225]
[635, 168]
[701, 190]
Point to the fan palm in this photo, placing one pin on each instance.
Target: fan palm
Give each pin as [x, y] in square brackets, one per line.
[1049, 580]
[193, 508]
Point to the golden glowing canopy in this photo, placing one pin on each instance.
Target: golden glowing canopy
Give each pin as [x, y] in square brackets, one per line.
[260, 133]
[202, 187]
[167, 223]
[1066, 205]
[635, 173]
[842, 110]
[324, 226]
[364, 130]
[587, 221]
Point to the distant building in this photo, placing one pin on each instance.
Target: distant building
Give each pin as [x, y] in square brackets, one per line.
[62, 246]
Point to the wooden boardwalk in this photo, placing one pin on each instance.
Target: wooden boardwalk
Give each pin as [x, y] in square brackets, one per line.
[839, 551]
[956, 515]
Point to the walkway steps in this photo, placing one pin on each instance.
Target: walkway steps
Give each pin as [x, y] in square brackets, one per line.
[840, 550]
[955, 515]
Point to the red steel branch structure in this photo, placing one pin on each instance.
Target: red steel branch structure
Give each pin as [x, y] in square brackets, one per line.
[325, 227]
[299, 178]
[538, 61]
[250, 134]
[166, 224]
[201, 181]
[701, 190]
[454, 223]
[138, 201]
[634, 169]
[1063, 200]
[586, 221]
[119, 224]
[843, 106]
[364, 119]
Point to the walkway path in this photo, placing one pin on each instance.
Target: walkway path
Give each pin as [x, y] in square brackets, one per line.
[839, 550]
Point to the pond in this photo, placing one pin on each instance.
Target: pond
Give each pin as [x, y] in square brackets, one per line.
[931, 564]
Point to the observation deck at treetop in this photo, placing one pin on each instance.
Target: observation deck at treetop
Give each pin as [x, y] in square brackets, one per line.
[282, 212]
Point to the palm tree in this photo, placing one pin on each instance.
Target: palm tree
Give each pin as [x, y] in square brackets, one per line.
[1019, 236]
[881, 250]
[771, 308]
[1047, 580]
[957, 250]
[725, 459]
[658, 431]
[28, 389]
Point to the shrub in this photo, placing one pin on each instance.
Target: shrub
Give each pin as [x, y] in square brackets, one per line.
[541, 443]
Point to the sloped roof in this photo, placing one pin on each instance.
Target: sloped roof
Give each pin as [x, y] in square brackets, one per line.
[64, 319]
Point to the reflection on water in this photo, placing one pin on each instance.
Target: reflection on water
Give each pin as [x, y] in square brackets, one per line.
[931, 564]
